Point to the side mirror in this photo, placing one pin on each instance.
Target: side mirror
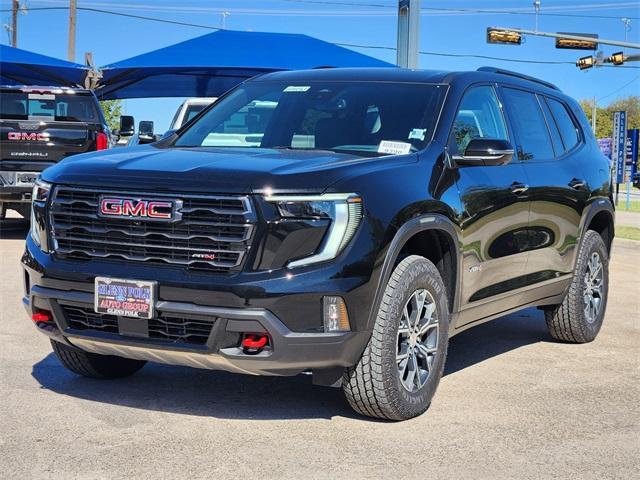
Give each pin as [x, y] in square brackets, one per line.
[169, 133]
[127, 126]
[486, 152]
[145, 132]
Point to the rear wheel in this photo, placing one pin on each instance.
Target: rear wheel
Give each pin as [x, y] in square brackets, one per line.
[579, 317]
[93, 365]
[401, 366]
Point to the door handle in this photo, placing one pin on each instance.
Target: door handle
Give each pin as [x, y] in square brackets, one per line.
[577, 183]
[518, 188]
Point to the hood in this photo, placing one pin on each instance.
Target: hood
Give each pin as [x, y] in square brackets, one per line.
[206, 170]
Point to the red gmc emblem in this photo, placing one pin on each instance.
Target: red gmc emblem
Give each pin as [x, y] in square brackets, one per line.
[138, 208]
[28, 136]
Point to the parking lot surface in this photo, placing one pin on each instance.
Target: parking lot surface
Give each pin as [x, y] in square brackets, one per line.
[513, 404]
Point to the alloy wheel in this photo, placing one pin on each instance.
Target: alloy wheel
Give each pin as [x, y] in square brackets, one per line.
[593, 284]
[417, 344]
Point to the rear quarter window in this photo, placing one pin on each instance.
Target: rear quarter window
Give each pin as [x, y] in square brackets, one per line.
[566, 125]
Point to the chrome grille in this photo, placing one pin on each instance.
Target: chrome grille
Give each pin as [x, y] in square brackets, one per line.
[218, 226]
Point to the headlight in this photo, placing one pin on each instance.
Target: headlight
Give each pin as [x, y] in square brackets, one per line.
[40, 192]
[343, 209]
[39, 197]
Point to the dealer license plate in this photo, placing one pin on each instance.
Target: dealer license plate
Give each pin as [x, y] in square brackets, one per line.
[125, 298]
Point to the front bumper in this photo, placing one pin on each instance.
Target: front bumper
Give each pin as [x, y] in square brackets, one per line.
[14, 195]
[289, 353]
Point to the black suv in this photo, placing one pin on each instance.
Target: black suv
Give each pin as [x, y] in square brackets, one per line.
[342, 222]
[40, 126]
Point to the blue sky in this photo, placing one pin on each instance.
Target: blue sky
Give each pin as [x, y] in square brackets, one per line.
[367, 22]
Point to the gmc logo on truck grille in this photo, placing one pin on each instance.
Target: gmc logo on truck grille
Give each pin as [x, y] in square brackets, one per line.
[29, 136]
[160, 210]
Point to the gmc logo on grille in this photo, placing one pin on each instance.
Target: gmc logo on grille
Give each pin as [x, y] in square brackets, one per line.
[28, 136]
[138, 208]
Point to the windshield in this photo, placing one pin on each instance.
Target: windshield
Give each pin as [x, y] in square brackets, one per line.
[48, 106]
[362, 117]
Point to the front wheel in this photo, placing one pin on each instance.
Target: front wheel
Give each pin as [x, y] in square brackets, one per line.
[403, 362]
[93, 365]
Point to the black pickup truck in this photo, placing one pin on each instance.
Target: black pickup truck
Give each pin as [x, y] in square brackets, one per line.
[39, 126]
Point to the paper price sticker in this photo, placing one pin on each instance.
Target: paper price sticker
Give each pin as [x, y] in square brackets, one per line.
[394, 148]
[295, 88]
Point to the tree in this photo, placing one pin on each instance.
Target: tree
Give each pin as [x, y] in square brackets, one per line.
[604, 115]
[112, 110]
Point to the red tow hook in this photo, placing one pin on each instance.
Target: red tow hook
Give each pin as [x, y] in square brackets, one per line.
[253, 343]
[42, 316]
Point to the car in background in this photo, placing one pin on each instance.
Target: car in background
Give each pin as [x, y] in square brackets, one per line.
[636, 180]
[39, 126]
[189, 109]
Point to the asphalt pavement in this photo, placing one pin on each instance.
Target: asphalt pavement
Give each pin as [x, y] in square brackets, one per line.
[513, 404]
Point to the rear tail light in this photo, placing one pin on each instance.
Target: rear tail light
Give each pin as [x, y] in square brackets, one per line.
[102, 142]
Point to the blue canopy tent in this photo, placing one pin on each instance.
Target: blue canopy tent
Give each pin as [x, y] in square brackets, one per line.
[21, 67]
[209, 65]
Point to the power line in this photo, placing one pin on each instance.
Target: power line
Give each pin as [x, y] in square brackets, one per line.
[120, 14]
[463, 10]
[349, 45]
[621, 88]
[390, 9]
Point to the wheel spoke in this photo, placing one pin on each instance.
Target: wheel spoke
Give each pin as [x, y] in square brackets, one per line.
[425, 328]
[596, 272]
[412, 367]
[425, 351]
[403, 353]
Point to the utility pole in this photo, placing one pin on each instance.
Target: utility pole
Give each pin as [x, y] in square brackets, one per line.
[71, 51]
[594, 114]
[14, 23]
[536, 6]
[408, 33]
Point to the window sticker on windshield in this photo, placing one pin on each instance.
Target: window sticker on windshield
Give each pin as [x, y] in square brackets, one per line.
[296, 88]
[394, 148]
[417, 134]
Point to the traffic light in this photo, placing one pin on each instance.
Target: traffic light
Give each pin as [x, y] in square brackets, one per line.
[508, 37]
[617, 58]
[586, 62]
[575, 44]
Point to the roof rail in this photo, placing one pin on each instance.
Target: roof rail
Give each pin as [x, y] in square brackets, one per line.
[517, 75]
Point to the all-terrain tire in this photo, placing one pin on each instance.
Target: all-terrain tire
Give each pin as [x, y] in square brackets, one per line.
[93, 365]
[569, 321]
[373, 387]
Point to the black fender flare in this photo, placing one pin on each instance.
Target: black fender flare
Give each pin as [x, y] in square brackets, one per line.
[431, 221]
[600, 205]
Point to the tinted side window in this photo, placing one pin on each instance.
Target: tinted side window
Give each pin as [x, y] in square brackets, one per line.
[479, 116]
[532, 134]
[556, 139]
[565, 123]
